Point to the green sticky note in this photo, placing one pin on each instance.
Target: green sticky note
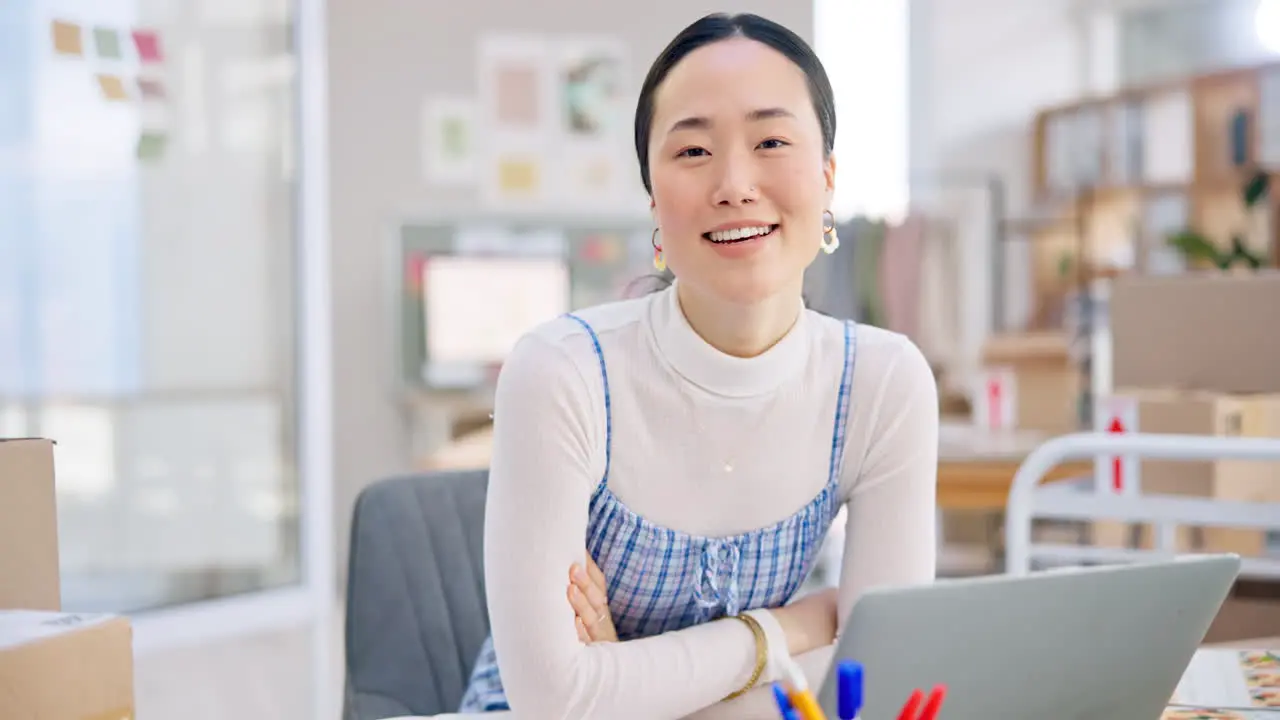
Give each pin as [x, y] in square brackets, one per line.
[151, 146]
[108, 43]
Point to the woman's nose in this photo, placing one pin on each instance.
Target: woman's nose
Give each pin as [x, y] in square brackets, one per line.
[736, 184]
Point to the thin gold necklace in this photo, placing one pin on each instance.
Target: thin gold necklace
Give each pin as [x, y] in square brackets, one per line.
[729, 462]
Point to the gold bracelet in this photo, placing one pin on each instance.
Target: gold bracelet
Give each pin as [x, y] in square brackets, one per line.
[762, 654]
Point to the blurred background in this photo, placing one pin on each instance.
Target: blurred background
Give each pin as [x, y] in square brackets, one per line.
[258, 254]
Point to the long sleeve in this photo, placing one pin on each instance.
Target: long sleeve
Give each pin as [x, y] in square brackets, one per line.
[759, 703]
[548, 457]
[891, 505]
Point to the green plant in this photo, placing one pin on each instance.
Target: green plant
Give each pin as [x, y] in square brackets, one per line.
[1256, 188]
[1195, 246]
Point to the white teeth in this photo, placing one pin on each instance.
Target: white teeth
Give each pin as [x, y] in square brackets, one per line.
[738, 233]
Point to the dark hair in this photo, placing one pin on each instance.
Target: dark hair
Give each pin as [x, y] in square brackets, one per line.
[722, 26]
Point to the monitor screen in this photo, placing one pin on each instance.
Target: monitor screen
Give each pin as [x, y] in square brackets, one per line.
[476, 308]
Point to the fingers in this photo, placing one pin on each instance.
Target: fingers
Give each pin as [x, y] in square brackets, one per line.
[590, 602]
[582, 606]
[594, 592]
[596, 575]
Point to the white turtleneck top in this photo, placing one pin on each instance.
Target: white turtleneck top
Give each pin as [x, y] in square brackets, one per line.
[692, 414]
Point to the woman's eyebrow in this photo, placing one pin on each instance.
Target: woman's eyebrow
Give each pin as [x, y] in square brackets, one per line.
[702, 123]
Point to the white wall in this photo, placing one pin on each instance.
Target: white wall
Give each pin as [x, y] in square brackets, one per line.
[1173, 38]
[980, 69]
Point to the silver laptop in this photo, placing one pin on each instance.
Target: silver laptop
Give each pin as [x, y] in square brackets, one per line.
[1098, 643]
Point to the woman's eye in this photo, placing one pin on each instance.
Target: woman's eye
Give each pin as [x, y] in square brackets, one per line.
[772, 144]
[691, 152]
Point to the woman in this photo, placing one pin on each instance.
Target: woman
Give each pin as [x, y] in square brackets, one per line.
[701, 440]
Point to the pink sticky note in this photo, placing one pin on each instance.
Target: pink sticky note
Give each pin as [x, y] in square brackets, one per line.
[152, 89]
[148, 43]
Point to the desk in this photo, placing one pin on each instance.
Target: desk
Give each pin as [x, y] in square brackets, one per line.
[1241, 678]
[469, 452]
[1271, 643]
[975, 468]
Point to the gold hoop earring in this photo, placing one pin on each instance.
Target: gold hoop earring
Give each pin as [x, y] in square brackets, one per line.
[830, 239]
[659, 262]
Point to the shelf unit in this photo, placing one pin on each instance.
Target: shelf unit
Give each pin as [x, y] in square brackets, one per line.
[1115, 176]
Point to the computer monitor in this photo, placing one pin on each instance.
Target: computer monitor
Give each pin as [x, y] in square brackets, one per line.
[476, 308]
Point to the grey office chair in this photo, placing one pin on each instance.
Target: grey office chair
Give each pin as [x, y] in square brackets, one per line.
[416, 612]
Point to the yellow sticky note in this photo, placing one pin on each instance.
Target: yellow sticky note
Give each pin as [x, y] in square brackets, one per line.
[112, 87]
[518, 176]
[67, 39]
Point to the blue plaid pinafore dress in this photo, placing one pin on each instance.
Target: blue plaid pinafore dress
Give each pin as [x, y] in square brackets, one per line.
[661, 580]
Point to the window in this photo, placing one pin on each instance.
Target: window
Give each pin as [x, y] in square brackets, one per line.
[863, 45]
[1267, 21]
[147, 314]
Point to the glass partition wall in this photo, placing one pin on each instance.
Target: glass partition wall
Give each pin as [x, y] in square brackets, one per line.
[162, 301]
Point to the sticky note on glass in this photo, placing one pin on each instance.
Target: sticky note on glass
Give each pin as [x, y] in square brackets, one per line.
[518, 176]
[148, 44]
[107, 41]
[112, 87]
[151, 145]
[151, 89]
[67, 39]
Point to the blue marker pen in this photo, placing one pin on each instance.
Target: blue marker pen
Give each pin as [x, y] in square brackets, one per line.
[784, 703]
[848, 689]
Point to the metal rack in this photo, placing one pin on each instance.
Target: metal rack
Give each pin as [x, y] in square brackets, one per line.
[1071, 501]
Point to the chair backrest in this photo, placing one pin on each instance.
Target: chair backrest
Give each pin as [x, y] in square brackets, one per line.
[416, 614]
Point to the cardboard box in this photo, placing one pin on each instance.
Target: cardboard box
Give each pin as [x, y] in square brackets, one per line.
[53, 665]
[28, 526]
[64, 666]
[1204, 413]
[1250, 614]
[1048, 382]
[1210, 331]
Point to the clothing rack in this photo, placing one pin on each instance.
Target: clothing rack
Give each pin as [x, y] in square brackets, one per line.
[1028, 500]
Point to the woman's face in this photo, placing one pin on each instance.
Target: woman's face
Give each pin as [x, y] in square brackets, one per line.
[740, 179]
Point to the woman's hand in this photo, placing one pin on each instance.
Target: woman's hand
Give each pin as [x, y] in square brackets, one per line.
[590, 603]
[810, 622]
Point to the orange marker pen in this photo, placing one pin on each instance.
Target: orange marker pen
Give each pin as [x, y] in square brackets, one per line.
[802, 698]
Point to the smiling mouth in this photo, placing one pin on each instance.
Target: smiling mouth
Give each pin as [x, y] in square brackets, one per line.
[737, 235]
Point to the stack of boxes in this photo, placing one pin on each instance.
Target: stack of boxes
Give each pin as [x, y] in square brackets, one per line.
[1204, 412]
[1195, 354]
[53, 665]
[1200, 355]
